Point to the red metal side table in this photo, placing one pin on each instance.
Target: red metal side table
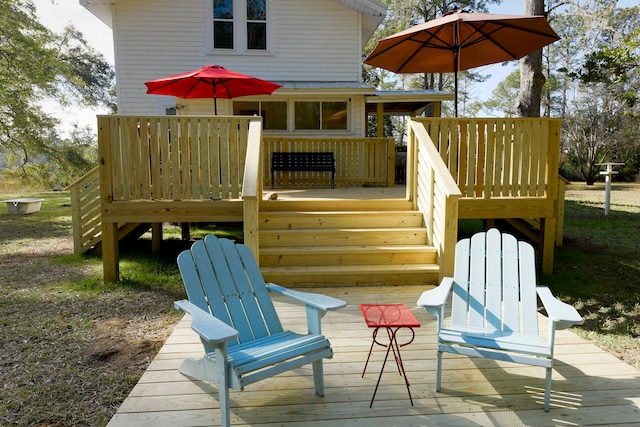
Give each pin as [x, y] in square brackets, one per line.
[391, 317]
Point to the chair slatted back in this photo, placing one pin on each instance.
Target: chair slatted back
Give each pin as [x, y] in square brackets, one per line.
[495, 284]
[224, 279]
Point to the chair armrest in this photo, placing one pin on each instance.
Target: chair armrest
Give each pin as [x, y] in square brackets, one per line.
[436, 297]
[562, 314]
[212, 331]
[317, 301]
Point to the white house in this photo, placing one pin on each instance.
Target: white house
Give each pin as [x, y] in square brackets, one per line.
[313, 48]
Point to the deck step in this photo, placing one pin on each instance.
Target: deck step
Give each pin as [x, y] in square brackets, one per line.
[360, 275]
[377, 245]
[324, 205]
[348, 255]
[327, 219]
[343, 236]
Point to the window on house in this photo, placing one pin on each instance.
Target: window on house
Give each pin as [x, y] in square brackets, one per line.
[223, 24]
[307, 115]
[318, 115]
[230, 17]
[256, 24]
[274, 113]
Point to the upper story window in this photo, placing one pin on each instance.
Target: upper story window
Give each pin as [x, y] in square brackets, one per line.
[257, 24]
[239, 25]
[223, 24]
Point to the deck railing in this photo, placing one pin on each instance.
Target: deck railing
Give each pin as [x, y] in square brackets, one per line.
[499, 157]
[173, 158]
[359, 161]
[85, 211]
[504, 168]
[252, 188]
[434, 193]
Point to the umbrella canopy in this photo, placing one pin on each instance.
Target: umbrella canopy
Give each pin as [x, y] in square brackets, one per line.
[461, 40]
[210, 81]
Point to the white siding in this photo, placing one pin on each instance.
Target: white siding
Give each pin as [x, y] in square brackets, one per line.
[312, 41]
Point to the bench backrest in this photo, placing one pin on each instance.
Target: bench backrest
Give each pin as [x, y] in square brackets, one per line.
[303, 161]
[495, 284]
[223, 278]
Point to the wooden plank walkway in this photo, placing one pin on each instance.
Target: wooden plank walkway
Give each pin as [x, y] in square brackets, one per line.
[590, 387]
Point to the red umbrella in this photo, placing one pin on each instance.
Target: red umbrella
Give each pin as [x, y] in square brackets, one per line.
[210, 81]
[461, 40]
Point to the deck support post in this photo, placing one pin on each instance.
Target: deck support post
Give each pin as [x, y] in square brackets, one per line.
[156, 237]
[548, 226]
[110, 252]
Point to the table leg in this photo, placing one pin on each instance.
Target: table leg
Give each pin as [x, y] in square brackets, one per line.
[395, 347]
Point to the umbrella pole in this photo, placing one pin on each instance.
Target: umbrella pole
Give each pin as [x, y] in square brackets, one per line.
[215, 100]
[456, 92]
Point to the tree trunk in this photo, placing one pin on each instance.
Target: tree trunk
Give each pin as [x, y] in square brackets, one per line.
[531, 77]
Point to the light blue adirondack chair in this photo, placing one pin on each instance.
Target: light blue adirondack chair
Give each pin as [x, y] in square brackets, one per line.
[234, 315]
[494, 305]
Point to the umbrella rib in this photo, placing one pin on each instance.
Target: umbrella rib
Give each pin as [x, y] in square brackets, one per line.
[486, 35]
[426, 43]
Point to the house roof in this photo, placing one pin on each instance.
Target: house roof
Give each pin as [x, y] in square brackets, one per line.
[316, 87]
[373, 12]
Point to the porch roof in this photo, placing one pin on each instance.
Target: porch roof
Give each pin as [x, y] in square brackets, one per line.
[317, 87]
[405, 102]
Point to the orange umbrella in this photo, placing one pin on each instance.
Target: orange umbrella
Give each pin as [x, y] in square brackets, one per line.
[461, 40]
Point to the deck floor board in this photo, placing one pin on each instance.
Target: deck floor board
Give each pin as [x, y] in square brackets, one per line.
[591, 387]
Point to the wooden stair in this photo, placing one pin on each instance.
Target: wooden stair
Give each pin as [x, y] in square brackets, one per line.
[304, 244]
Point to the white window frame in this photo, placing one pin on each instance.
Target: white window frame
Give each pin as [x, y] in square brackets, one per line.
[239, 29]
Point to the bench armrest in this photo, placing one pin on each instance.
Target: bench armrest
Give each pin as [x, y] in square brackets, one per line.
[561, 313]
[212, 331]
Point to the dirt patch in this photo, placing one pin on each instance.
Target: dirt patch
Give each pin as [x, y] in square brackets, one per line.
[111, 345]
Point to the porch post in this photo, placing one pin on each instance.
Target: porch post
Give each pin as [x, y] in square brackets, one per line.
[380, 120]
[110, 250]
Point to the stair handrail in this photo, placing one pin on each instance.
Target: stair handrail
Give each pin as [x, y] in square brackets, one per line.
[85, 210]
[252, 184]
[434, 193]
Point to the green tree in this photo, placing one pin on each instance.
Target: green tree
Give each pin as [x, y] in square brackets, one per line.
[602, 121]
[36, 64]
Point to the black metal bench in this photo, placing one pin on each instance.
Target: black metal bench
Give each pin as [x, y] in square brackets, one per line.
[304, 161]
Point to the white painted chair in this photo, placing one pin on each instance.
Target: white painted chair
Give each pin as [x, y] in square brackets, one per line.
[494, 305]
[232, 311]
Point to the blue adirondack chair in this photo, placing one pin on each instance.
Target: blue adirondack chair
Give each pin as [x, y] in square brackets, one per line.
[234, 315]
[494, 305]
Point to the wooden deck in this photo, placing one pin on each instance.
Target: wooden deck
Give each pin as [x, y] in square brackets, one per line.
[590, 387]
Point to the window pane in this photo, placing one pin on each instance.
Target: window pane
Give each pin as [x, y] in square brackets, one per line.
[334, 115]
[245, 108]
[256, 10]
[256, 35]
[307, 115]
[274, 115]
[222, 9]
[223, 35]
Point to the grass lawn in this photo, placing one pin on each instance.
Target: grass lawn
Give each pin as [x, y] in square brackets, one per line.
[73, 347]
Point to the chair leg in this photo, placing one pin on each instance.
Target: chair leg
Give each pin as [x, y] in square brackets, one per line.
[222, 368]
[547, 390]
[318, 377]
[438, 369]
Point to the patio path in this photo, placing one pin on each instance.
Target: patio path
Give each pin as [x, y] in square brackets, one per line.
[590, 387]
